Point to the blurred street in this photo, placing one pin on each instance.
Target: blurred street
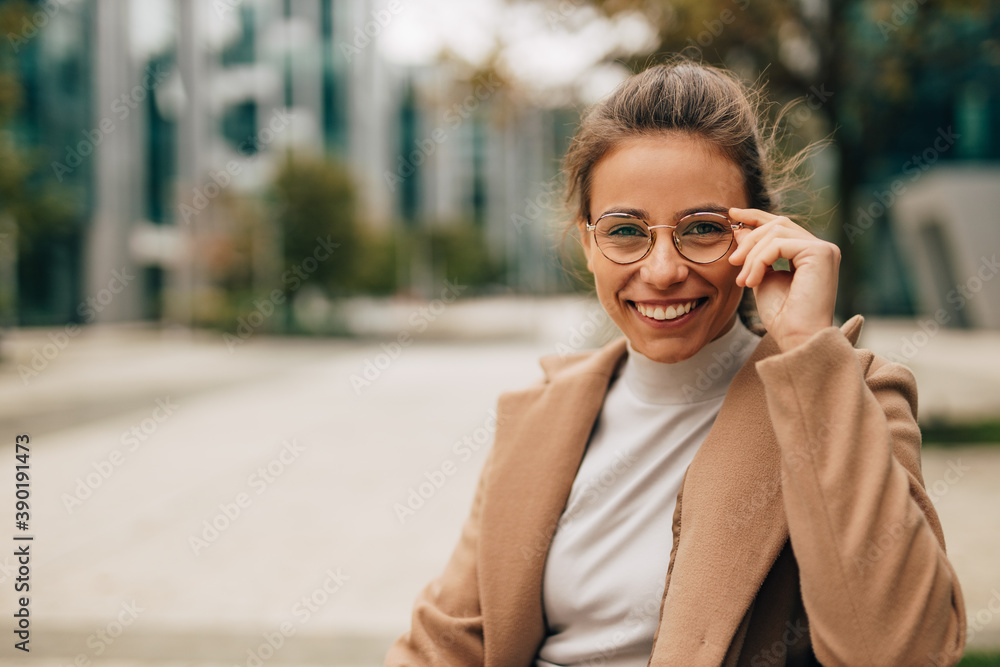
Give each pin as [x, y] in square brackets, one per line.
[193, 505]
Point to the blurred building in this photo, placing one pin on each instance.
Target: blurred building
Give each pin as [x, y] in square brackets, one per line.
[149, 110]
[146, 114]
[918, 108]
[947, 229]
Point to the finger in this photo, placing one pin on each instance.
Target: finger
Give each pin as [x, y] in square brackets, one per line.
[759, 220]
[761, 255]
[753, 217]
[776, 226]
[743, 236]
[798, 250]
[766, 254]
[756, 223]
[749, 216]
[749, 241]
[746, 238]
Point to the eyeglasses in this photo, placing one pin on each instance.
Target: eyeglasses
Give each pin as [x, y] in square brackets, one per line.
[701, 238]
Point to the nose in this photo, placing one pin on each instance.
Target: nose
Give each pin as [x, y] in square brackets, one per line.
[663, 266]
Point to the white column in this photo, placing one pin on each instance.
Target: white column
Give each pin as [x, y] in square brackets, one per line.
[118, 168]
[192, 160]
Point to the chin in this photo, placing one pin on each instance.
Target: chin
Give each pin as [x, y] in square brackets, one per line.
[669, 346]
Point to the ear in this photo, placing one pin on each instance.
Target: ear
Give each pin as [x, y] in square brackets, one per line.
[586, 240]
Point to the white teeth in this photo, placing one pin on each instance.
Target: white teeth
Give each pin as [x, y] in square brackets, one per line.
[669, 313]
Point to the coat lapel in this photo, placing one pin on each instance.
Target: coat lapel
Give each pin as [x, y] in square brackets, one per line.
[540, 440]
[732, 524]
[732, 527]
[732, 518]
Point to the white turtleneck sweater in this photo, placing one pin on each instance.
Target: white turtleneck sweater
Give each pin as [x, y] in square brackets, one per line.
[608, 560]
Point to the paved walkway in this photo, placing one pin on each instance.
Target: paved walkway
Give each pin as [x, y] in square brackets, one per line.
[192, 504]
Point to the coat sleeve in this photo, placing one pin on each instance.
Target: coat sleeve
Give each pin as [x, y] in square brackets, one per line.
[876, 584]
[447, 623]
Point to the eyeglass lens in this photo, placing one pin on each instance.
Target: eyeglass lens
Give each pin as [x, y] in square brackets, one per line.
[700, 238]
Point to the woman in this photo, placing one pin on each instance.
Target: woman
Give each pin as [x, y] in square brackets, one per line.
[694, 494]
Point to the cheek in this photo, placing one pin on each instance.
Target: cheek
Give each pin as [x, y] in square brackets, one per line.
[724, 278]
[609, 278]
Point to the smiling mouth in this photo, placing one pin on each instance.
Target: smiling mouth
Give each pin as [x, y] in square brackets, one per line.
[671, 312]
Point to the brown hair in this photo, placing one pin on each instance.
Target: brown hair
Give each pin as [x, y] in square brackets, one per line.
[682, 96]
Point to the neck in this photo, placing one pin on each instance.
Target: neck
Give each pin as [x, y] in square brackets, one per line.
[704, 375]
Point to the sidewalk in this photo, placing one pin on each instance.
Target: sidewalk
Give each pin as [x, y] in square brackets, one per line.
[263, 510]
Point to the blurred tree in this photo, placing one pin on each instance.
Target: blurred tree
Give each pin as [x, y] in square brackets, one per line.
[459, 252]
[456, 250]
[382, 259]
[315, 206]
[30, 199]
[884, 76]
[237, 253]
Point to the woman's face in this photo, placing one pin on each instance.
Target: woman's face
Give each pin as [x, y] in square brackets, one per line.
[661, 179]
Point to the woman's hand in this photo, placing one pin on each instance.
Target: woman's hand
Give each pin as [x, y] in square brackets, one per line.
[793, 305]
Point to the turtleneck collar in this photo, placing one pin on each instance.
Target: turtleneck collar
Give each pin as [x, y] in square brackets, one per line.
[705, 375]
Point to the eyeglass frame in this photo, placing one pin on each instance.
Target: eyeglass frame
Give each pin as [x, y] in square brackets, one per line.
[652, 236]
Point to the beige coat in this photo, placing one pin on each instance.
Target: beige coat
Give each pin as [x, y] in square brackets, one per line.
[802, 526]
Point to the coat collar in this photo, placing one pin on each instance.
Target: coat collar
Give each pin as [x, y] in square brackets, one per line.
[541, 435]
[732, 517]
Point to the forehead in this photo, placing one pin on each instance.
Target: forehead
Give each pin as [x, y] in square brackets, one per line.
[664, 174]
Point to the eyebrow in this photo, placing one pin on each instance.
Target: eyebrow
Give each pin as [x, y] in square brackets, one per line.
[644, 214]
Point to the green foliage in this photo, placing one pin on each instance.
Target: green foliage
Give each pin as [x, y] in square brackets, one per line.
[980, 660]
[314, 199]
[378, 264]
[39, 207]
[457, 251]
[460, 252]
[944, 434]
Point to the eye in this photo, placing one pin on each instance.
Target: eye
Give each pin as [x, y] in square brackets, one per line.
[703, 227]
[621, 228]
[627, 229]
